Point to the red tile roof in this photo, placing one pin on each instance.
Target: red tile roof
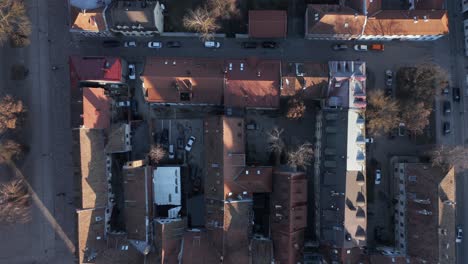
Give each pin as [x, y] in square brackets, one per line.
[96, 108]
[289, 215]
[100, 69]
[252, 83]
[401, 22]
[236, 231]
[313, 83]
[168, 239]
[90, 20]
[267, 23]
[164, 79]
[198, 248]
[333, 19]
[256, 179]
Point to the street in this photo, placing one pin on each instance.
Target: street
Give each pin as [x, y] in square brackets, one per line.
[46, 92]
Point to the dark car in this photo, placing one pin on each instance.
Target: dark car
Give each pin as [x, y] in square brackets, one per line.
[174, 44]
[447, 107]
[446, 128]
[269, 44]
[456, 94]
[340, 46]
[110, 43]
[389, 92]
[249, 45]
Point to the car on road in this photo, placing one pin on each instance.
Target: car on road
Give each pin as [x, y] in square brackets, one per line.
[376, 47]
[459, 234]
[340, 46]
[154, 45]
[131, 72]
[456, 94]
[123, 104]
[171, 151]
[370, 140]
[401, 129]
[445, 91]
[378, 176]
[130, 44]
[188, 146]
[249, 45]
[447, 107]
[212, 44]
[174, 44]
[358, 47]
[388, 78]
[269, 45]
[389, 92]
[111, 43]
[446, 128]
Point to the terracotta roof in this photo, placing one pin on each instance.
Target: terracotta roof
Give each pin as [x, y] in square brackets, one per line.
[267, 23]
[96, 108]
[262, 251]
[422, 231]
[90, 233]
[198, 248]
[400, 22]
[90, 20]
[252, 83]
[311, 85]
[165, 79]
[236, 231]
[93, 168]
[137, 182]
[256, 179]
[117, 141]
[289, 215]
[168, 238]
[132, 13]
[333, 19]
[98, 68]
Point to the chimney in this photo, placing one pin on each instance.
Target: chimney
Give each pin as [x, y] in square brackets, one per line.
[415, 19]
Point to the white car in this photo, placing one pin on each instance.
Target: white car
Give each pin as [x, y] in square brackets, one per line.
[358, 47]
[131, 72]
[123, 104]
[378, 176]
[190, 142]
[459, 235]
[171, 152]
[130, 44]
[154, 45]
[212, 44]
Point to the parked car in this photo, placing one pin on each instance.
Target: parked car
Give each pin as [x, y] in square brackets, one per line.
[388, 78]
[370, 140]
[188, 146]
[174, 44]
[131, 72]
[389, 92]
[358, 47]
[212, 44]
[154, 45]
[401, 129]
[171, 151]
[249, 45]
[378, 176]
[446, 128]
[376, 47]
[123, 104]
[111, 43]
[456, 94]
[130, 44]
[340, 46]
[447, 107]
[164, 136]
[459, 234]
[269, 44]
[445, 91]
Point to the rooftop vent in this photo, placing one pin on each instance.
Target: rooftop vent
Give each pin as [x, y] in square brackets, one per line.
[415, 19]
[426, 19]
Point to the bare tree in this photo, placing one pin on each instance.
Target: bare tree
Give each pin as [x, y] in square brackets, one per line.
[224, 9]
[9, 150]
[14, 202]
[296, 108]
[157, 153]
[201, 21]
[447, 156]
[11, 112]
[14, 22]
[275, 142]
[416, 116]
[302, 156]
[382, 113]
